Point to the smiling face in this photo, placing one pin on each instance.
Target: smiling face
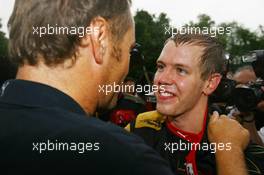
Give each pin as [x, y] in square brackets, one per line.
[179, 72]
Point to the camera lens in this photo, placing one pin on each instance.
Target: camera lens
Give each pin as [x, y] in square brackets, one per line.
[246, 98]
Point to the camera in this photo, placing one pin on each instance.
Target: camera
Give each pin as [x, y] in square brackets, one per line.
[247, 97]
[244, 97]
[256, 58]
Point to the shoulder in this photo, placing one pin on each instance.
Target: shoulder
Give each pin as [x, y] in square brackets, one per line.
[131, 149]
[85, 138]
[149, 126]
[152, 120]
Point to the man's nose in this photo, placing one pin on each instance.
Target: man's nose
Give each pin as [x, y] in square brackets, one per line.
[165, 78]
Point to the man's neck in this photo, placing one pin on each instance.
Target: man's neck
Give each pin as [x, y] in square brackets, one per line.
[64, 80]
[192, 120]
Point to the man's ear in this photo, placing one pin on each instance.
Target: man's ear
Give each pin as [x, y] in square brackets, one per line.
[211, 83]
[96, 38]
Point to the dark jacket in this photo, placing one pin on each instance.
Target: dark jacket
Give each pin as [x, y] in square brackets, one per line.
[44, 131]
[152, 127]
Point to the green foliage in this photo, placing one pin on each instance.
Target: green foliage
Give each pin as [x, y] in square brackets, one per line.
[3, 43]
[203, 21]
[7, 70]
[150, 34]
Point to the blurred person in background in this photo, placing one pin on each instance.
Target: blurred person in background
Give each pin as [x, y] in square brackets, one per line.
[243, 76]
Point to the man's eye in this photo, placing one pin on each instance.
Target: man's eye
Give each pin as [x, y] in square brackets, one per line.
[159, 67]
[182, 71]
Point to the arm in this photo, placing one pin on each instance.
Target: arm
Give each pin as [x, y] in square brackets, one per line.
[224, 130]
[254, 136]
[247, 120]
[261, 104]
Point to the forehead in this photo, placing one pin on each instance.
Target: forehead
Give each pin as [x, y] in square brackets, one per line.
[130, 34]
[186, 54]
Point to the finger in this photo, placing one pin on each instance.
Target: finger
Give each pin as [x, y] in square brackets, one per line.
[214, 117]
[223, 117]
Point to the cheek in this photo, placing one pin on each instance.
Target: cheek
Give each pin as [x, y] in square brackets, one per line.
[194, 89]
[125, 65]
[127, 59]
[187, 87]
[156, 78]
[182, 85]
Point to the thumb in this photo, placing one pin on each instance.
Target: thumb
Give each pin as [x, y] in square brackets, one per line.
[214, 117]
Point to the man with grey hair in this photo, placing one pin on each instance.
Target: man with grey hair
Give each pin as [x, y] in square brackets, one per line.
[46, 112]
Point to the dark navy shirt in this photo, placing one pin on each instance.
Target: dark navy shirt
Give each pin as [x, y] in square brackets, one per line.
[44, 131]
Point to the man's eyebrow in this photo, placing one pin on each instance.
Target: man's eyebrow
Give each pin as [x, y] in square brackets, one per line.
[175, 65]
[181, 65]
[159, 62]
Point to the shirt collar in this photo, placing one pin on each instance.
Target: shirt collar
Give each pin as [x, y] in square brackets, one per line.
[190, 137]
[33, 94]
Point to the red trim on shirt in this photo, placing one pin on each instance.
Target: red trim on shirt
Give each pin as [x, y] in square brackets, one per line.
[190, 137]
